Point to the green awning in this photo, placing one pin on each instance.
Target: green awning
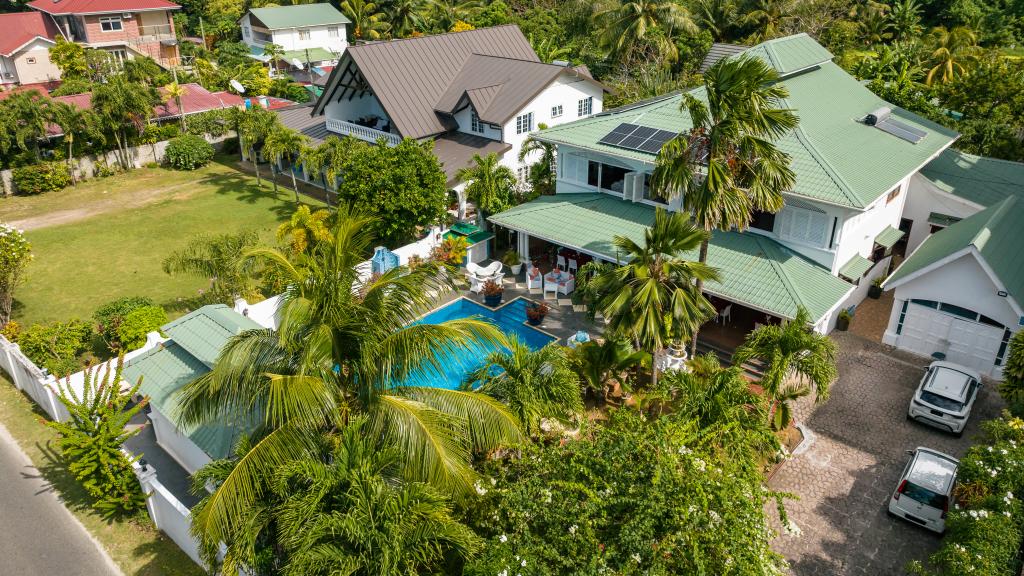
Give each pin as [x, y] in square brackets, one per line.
[311, 55]
[888, 237]
[942, 219]
[856, 267]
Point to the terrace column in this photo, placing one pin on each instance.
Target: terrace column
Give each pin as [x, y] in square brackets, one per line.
[523, 245]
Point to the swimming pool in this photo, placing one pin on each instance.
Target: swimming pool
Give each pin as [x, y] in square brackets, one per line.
[509, 319]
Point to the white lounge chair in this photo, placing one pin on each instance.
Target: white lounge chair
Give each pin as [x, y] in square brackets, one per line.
[534, 279]
[562, 283]
[489, 271]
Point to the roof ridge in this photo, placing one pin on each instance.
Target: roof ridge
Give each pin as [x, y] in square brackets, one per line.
[999, 211]
[805, 140]
[779, 270]
[426, 36]
[518, 59]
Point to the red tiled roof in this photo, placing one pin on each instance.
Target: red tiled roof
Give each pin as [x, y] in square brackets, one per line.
[21, 27]
[100, 6]
[42, 88]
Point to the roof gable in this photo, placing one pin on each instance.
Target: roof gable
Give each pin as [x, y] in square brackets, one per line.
[204, 332]
[100, 6]
[299, 16]
[20, 28]
[837, 158]
[983, 181]
[409, 76]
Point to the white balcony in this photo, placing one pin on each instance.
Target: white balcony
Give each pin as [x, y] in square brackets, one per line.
[362, 132]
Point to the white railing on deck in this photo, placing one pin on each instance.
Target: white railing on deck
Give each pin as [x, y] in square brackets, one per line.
[362, 132]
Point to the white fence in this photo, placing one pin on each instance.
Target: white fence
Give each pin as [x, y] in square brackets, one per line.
[31, 380]
[167, 512]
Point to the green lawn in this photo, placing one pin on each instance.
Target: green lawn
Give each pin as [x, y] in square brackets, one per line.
[123, 228]
[135, 545]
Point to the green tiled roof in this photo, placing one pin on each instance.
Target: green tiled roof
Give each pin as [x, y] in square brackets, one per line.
[204, 332]
[994, 233]
[837, 158]
[888, 237]
[299, 16]
[314, 55]
[756, 271]
[983, 181]
[856, 267]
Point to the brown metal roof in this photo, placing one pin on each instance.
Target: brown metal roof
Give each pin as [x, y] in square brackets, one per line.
[455, 150]
[300, 119]
[410, 75]
[499, 87]
[718, 52]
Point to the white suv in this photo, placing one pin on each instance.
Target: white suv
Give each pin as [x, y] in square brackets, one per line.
[925, 489]
[945, 396]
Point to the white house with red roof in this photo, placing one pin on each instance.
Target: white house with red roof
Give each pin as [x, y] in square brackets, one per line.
[25, 48]
[125, 28]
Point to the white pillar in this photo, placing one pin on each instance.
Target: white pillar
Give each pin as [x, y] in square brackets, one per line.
[523, 241]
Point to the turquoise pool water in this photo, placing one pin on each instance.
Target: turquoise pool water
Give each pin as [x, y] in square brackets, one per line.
[509, 319]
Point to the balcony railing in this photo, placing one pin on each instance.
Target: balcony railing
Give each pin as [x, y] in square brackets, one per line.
[362, 132]
[155, 32]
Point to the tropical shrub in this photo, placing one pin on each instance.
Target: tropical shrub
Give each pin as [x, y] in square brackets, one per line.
[56, 346]
[11, 330]
[451, 251]
[90, 441]
[15, 256]
[1012, 387]
[137, 324]
[628, 497]
[108, 318]
[40, 178]
[217, 258]
[985, 529]
[189, 152]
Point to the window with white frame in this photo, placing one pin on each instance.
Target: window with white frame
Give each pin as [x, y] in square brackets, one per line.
[524, 123]
[332, 31]
[803, 225]
[585, 107]
[245, 31]
[303, 34]
[556, 111]
[111, 24]
[475, 124]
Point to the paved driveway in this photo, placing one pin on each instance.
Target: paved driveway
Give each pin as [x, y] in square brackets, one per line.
[846, 473]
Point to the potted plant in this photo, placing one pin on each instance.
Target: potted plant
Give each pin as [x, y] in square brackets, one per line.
[513, 261]
[875, 290]
[492, 293]
[843, 321]
[535, 313]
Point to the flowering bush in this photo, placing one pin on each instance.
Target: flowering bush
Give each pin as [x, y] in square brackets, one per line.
[628, 497]
[986, 527]
[15, 255]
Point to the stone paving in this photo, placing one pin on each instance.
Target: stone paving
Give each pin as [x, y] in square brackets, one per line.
[846, 469]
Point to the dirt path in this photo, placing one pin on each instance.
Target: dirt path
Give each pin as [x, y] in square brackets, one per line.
[102, 205]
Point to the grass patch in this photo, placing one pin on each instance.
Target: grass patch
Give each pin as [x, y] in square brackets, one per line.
[137, 547]
[117, 251]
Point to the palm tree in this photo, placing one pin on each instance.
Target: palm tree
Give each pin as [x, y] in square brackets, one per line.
[955, 51]
[731, 142]
[274, 53]
[123, 105]
[217, 258]
[344, 346]
[367, 22]
[406, 17]
[797, 360]
[874, 24]
[906, 19]
[628, 24]
[175, 91]
[490, 185]
[282, 142]
[542, 173]
[548, 51]
[446, 13]
[73, 121]
[716, 16]
[602, 366]
[254, 126]
[535, 384]
[654, 297]
[769, 19]
[305, 229]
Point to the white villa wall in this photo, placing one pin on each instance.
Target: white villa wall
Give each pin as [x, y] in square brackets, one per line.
[180, 447]
[319, 37]
[166, 511]
[925, 198]
[8, 71]
[33, 63]
[465, 121]
[858, 231]
[565, 91]
[354, 109]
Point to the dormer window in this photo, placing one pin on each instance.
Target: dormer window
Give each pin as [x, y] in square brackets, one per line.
[474, 122]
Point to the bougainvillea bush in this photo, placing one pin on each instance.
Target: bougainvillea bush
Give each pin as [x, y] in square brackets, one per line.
[627, 497]
[985, 528]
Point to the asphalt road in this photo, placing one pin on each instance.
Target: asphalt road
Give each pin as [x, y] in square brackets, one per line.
[38, 535]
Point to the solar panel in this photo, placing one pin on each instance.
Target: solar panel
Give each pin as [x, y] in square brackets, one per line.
[631, 142]
[637, 138]
[651, 146]
[644, 131]
[901, 130]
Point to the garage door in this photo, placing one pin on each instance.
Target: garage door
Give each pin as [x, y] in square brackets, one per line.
[927, 330]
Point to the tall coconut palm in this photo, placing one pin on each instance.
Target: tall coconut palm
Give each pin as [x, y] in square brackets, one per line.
[74, 122]
[123, 107]
[490, 185]
[283, 142]
[716, 16]
[535, 384]
[344, 347]
[254, 125]
[627, 24]
[368, 22]
[954, 52]
[175, 91]
[726, 165]
[798, 360]
[654, 298]
[406, 17]
[905, 17]
[769, 19]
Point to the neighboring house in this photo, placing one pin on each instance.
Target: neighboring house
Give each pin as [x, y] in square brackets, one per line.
[312, 35]
[960, 293]
[25, 48]
[821, 251]
[189, 351]
[473, 92]
[125, 28]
